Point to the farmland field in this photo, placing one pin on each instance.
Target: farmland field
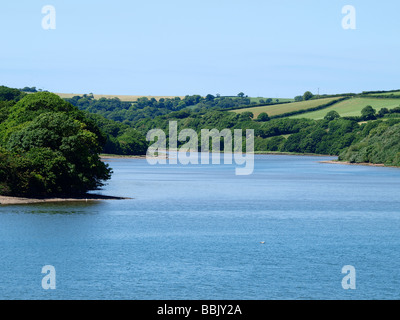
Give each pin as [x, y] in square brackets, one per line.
[351, 107]
[273, 110]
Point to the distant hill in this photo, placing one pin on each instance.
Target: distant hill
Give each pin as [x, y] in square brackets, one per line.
[352, 107]
[278, 109]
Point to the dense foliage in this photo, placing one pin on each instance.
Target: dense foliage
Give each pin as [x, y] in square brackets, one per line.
[121, 139]
[48, 147]
[129, 112]
[380, 144]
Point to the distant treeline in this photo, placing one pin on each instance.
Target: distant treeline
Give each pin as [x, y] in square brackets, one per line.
[381, 91]
[128, 112]
[377, 96]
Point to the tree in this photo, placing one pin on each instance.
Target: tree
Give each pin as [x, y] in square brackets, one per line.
[8, 94]
[65, 138]
[133, 142]
[247, 115]
[27, 89]
[210, 97]
[298, 98]
[263, 116]
[368, 113]
[307, 95]
[382, 112]
[241, 94]
[49, 147]
[332, 115]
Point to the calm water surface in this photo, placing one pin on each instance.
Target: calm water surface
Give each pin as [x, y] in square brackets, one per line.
[194, 232]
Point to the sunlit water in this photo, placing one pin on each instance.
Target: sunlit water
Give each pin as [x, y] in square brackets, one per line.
[194, 232]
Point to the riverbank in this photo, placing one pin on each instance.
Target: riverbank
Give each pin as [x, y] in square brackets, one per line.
[5, 200]
[105, 157]
[116, 156]
[281, 153]
[356, 164]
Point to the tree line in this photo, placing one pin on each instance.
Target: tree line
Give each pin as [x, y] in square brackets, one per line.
[47, 146]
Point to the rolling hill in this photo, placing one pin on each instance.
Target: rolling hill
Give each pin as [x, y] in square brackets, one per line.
[351, 107]
[278, 109]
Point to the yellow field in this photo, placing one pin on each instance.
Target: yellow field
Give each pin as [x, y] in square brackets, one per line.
[273, 110]
[128, 98]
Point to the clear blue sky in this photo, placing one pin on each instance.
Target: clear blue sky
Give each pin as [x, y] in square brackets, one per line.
[269, 48]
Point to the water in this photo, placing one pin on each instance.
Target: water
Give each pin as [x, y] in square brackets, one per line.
[194, 232]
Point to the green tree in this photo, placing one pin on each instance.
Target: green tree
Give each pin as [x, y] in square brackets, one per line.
[68, 140]
[8, 94]
[368, 113]
[307, 95]
[49, 147]
[332, 115]
[263, 116]
[382, 112]
[247, 115]
[133, 142]
[298, 98]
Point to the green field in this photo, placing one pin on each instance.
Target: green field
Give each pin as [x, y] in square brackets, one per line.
[273, 110]
[351, 107]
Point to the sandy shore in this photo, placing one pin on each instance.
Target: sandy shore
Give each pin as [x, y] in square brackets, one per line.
[4, 200]
[355, 164]
[106, 157]
[114, 156]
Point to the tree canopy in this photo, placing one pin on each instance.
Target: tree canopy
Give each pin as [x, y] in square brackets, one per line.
[49, 147]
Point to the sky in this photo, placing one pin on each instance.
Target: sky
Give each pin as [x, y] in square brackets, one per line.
[264, 48]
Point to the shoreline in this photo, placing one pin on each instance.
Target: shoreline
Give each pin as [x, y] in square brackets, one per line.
[116, 156]
[357, 164]
[278, 153]
[10, 200]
